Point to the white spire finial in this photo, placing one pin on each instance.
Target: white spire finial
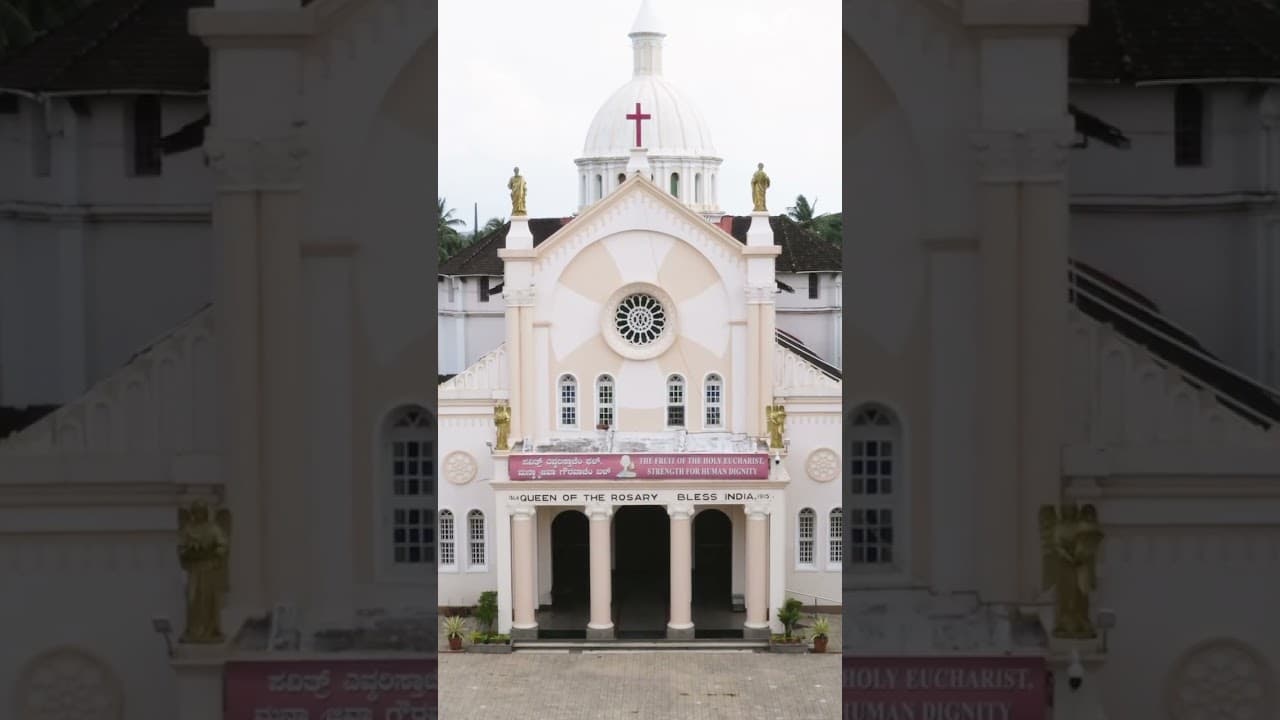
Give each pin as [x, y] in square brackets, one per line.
[646, 41]
[647, 22]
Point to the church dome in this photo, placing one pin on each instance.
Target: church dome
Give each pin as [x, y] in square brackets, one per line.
[674, 128]
[677, 142]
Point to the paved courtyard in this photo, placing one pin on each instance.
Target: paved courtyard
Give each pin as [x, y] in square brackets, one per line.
[640, 686]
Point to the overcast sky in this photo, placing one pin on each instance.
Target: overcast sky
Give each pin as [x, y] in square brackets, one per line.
[521, 81]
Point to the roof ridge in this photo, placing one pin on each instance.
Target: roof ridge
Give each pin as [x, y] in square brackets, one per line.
[101, 37]
[472, 248]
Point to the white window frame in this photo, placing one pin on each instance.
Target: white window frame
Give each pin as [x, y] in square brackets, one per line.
[835, 537]
[683, 404]
[876, 423]
[401, 428]
[801, 565]
[452, 542]
[562, 406]
[603, 381]
[707, 405]
[473, 566]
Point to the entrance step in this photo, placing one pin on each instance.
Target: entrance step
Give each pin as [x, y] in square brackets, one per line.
[571, 646]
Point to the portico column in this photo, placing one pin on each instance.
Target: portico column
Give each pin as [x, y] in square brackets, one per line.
[757, 625]
[680, 627]
[601, 624]
[525, 624]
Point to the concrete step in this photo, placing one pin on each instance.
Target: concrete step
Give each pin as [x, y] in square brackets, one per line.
[639, 645]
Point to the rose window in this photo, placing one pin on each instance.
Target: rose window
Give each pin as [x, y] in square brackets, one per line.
[640, 319]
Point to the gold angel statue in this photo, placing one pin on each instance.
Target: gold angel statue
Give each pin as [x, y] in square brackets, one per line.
[777, 417]
[1069, 544]
[203, 545]
[502, 420]
[518, 189]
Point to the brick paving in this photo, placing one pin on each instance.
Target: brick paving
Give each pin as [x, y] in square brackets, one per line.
[640, 686]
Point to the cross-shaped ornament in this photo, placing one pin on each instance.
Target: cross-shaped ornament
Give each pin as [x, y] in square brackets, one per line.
[638, 116]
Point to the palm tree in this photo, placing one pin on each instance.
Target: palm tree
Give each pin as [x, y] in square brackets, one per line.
[828, 225]
[450, 241]
[493, 224]
[804, 213]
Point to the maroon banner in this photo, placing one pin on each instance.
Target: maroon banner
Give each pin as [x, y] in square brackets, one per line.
[393, 689]
[685, 466]
[945, 688]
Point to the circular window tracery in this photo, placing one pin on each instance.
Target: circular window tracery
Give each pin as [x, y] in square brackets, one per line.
[640, 319]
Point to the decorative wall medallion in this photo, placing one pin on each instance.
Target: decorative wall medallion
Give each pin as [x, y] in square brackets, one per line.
[68, 684]
[823, 465]
[459, 467]
[639, 321]
[1220, 680]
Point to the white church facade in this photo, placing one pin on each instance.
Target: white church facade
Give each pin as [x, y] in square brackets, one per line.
[641, 333]
[984, 373]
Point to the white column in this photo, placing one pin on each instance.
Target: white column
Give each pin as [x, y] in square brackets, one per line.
[502, 541]
[681, 624]
[757, 624]
[601, 624]
[522, 571]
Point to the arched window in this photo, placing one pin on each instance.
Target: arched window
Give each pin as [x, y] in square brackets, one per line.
[875, 517]
[568, 402]
[599, 186]
[697, 188]
[713, 402]
[448, 544]
[622, 177]
[675, 401]
[1188, 126]
[835, 538]
[805, 523]
[477, 557]
[675, 184]
[604, 402]
[412, 482]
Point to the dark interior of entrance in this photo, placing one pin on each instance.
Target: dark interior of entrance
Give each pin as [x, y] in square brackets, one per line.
[713, 614]
[642, 571]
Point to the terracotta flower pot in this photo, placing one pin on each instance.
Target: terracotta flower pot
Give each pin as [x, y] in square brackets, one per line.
[455, 643]
[819, 644]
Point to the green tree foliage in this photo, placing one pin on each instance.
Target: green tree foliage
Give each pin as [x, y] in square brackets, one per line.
[827, 225]
[446, 227]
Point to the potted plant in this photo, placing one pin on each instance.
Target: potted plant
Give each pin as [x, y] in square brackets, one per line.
[453, 629]
[485, 640]
[789, 614]
[821, 627]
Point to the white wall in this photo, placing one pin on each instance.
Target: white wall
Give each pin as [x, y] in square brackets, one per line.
[128, 258]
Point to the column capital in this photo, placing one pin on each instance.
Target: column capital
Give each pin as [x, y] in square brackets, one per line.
[272, 163]
[523, 512]
[598, 511]
[680, 511]
[761, 294]
[757, 510]
[1007, 156]
[519, 297]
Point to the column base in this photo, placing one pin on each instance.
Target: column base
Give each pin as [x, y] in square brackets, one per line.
[524, 633]
[600, 633]
[756, 633]
[683, 632]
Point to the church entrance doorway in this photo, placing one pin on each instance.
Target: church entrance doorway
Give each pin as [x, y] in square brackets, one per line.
[713, 614]
[570, 577]
[642, 571]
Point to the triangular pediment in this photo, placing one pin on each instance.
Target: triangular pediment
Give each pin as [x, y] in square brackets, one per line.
[639, 204]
